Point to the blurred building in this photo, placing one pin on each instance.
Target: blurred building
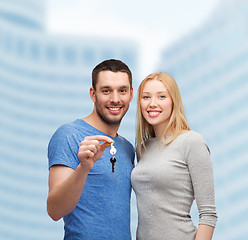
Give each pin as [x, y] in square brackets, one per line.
[44, 82]
[211, 68]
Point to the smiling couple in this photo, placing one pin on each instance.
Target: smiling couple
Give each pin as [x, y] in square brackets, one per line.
[173, 164]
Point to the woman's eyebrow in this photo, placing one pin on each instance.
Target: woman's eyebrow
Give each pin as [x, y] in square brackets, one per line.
[164, 92]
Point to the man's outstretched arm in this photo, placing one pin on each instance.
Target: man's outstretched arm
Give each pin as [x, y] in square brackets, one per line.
[66, 184]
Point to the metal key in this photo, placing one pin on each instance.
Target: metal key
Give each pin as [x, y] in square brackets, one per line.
[113, 159]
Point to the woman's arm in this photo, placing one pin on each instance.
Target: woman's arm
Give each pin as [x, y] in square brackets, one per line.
[204, 232]
[201, 172]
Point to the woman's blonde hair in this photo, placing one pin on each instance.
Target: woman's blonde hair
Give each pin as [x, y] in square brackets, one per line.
[178, 122]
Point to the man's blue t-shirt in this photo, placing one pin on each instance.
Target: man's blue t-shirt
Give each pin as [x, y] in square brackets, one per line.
[103, 210]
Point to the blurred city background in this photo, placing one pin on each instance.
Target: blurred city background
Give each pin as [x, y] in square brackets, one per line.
[47, 52]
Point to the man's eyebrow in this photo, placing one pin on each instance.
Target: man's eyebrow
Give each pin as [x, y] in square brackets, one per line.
[123, 86]
[104, 87]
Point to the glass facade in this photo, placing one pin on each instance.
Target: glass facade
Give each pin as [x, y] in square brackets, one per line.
[44, 82]
[211, 68]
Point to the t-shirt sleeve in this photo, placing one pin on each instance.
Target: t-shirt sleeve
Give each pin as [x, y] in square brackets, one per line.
[63, 148]
[201, 172]
[132, 150]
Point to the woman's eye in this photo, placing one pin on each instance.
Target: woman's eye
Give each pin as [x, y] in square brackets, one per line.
[145, 97]
[162, 96]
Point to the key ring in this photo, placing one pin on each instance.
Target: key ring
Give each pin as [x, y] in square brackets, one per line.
[112, 149]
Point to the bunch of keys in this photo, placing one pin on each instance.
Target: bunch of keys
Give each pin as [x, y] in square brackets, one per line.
[113, 159]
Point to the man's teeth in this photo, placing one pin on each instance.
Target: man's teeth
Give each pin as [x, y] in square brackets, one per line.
[114, 109]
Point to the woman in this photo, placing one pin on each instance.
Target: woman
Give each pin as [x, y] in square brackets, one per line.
[173, 168]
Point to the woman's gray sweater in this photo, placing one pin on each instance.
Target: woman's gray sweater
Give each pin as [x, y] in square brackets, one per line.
[166, 180]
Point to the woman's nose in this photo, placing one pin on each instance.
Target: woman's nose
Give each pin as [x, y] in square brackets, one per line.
[153, 102]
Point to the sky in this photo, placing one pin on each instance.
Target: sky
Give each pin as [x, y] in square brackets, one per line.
[154, 24]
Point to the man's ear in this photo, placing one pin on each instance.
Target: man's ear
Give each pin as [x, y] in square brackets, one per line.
[131, 94]
[93, 94]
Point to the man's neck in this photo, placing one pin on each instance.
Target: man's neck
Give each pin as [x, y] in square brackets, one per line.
[96, 122]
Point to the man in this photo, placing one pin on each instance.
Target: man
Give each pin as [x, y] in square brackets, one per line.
[94, 201]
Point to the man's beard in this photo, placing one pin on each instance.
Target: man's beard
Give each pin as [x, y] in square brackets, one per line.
[107, 120]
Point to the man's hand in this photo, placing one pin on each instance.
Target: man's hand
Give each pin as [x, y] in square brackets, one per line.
[66, 184]
[91, 150]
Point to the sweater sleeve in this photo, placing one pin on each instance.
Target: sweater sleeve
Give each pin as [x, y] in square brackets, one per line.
[201, 172]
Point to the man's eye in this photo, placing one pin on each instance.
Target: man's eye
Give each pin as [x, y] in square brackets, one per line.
[105, 91]
[123, 90]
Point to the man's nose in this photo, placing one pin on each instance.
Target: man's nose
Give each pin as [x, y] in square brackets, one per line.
[115, 97]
